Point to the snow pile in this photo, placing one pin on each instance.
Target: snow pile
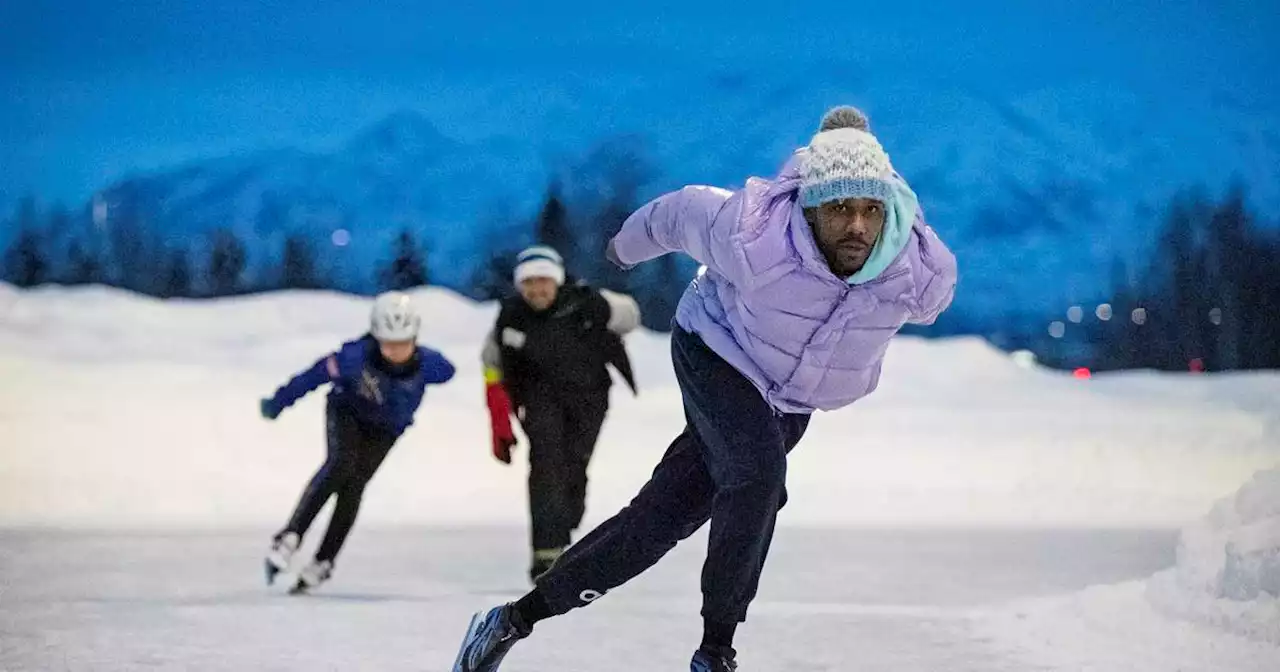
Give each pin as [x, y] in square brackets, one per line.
[1228, 569]
[122, 411]
[1114, 627]
[1216, 609]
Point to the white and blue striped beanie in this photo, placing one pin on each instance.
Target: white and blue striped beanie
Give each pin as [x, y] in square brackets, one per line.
[844, 160]
[539, 261]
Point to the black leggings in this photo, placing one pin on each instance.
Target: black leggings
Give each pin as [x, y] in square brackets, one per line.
[728, 466]
[354, 454]
[562, 436]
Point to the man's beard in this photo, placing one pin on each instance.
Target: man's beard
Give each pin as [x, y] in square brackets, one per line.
[842, 267]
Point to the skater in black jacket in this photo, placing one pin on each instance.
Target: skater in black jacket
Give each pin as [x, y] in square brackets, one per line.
[546, 361]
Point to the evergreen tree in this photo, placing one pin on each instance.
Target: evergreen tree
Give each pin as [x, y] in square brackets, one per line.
[26, 262]
[298, 264]
[227, 260]
[407, 268]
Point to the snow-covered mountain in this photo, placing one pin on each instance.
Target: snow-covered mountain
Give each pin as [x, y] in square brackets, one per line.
[1038, 195]
[1044, 140]
[398, 173]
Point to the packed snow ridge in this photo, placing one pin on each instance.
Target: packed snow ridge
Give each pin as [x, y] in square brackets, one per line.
[1228, 569]
[113, 402]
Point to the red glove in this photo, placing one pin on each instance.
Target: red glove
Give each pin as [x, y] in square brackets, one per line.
[500, 420]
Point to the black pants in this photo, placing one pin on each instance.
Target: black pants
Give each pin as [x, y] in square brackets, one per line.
[562, 431]
[355, 452]
[728, 466]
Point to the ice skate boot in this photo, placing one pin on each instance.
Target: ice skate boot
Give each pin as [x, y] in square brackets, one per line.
[281, 553]
[489, 637]
[312, 575]
[720, 659]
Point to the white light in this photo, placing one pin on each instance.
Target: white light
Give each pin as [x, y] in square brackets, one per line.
[341, 237]
[1075, 314]
[1215, 316]
[1057, 329]
[1104, 312]
[1025, 359]
[1139, 316]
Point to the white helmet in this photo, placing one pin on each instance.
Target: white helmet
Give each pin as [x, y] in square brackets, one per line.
[394, 318]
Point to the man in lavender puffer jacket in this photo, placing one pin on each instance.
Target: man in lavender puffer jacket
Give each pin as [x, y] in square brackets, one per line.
[807, 278]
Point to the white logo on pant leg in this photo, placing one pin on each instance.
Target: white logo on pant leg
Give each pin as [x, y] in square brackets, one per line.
[590, 595]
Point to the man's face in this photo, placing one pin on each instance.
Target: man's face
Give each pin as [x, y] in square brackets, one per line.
[539, 293]
[397, 352]
[846, 231]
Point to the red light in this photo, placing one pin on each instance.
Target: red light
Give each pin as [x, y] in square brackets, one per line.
[1196, 365]
[1082, 373]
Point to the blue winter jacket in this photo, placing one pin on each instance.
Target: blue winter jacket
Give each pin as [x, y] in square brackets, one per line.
[379, 394]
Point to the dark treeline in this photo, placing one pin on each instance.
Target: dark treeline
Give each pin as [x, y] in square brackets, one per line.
[1207, 298]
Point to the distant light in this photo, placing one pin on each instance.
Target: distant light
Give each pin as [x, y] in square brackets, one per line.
[1082, 373]
[1215, 316]
[1057, 329]
[1023, 358]
[1075, 314]
[341, 237]
[1139, 316]
[1196, 365]
[1103, 312]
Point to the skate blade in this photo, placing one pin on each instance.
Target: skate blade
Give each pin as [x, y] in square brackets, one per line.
[471, 631]
[271, 571]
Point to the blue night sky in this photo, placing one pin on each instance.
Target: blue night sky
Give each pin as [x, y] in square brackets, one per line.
[95, 90]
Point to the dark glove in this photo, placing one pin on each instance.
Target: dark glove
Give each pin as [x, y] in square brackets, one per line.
[611, 253]
[268, 409]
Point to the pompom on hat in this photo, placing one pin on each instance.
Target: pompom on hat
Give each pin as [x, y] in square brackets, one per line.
[844, 160]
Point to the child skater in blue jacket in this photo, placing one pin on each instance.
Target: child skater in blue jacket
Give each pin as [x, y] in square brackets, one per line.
[377, 384]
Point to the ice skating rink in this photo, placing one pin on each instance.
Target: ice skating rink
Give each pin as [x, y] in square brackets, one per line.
[971, 515]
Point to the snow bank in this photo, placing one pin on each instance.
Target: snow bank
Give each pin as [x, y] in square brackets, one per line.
[117, 410]
[1115, 627]
[1228, 569]
[1216, 609]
